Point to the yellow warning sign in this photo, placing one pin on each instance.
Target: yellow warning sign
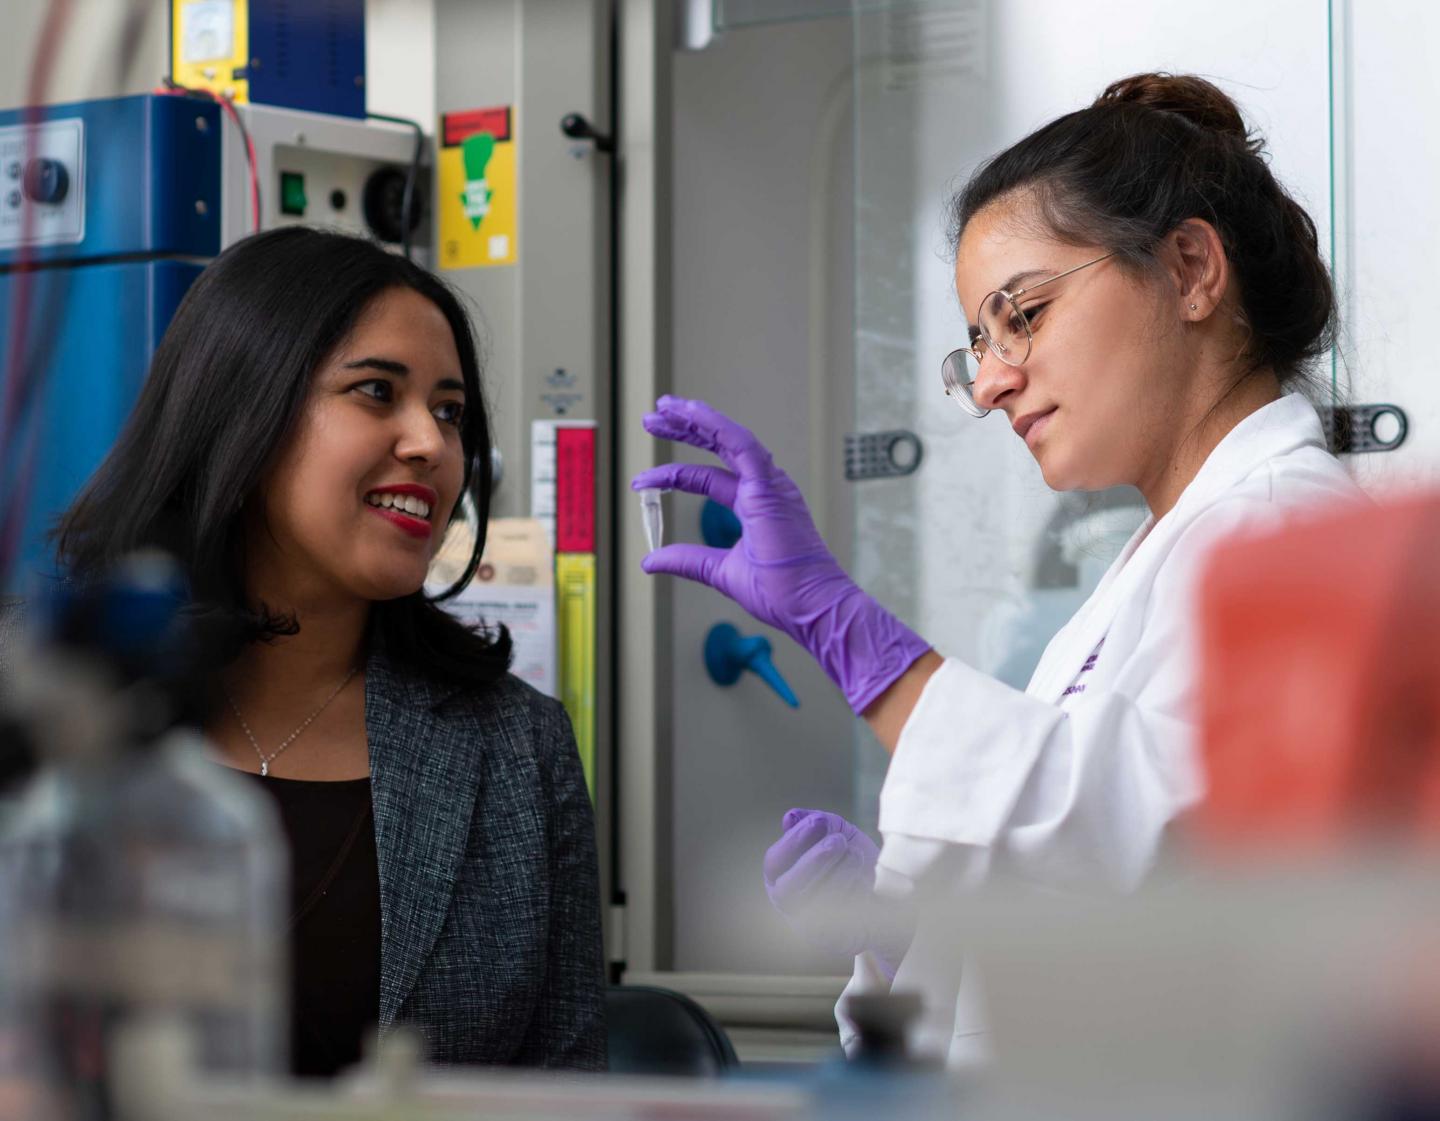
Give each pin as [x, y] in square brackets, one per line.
[477, 188]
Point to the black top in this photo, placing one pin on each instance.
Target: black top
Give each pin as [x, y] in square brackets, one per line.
[334, 926]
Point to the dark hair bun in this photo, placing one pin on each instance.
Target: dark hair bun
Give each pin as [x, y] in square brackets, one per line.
[1153, 151]
[1202, 103]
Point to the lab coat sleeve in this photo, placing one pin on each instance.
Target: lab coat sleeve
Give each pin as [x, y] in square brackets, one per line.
[929, 965]
[987, 776]
[869, 977]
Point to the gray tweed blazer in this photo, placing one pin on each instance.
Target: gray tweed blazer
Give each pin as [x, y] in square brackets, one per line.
[489, 883]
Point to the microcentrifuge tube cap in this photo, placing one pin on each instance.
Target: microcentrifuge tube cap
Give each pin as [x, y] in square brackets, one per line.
[654, 517]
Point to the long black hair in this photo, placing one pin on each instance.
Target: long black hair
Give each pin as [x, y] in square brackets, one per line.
[225, 390]
[1152, 151]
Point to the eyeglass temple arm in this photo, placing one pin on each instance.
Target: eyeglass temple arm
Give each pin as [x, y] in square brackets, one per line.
[1041, 283]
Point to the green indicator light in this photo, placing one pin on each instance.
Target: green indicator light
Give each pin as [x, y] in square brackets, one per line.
[292, 193]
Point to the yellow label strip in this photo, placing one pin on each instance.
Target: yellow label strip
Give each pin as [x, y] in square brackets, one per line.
[575, 594]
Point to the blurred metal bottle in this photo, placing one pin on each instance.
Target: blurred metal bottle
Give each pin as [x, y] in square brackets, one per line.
[138, 878]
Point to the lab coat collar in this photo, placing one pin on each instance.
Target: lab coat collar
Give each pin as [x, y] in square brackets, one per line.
[1276, 429]
[1281, 427]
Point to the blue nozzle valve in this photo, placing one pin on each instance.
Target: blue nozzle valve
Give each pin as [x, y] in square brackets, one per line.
[728, 654]
[719, 527]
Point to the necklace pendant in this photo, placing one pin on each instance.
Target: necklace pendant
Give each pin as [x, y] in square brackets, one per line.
[264, 768]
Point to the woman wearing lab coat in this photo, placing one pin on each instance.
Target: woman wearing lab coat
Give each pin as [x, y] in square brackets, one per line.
[1144, 297]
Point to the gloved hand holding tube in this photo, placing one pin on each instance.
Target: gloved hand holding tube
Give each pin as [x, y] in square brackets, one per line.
[780, 570]
[820, 875]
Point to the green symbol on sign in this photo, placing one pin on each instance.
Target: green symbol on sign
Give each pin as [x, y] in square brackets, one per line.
[476, 151]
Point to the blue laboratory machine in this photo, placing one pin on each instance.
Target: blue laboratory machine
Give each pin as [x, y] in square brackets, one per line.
[108, 211]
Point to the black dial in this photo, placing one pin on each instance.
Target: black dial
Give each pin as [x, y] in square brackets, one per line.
[383, 202]
[46, 181]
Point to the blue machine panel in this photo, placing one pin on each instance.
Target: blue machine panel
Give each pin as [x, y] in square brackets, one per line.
[149, 174]
[93, 331]
[308, 55]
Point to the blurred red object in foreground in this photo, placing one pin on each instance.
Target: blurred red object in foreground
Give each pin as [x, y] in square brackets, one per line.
[1320, 683]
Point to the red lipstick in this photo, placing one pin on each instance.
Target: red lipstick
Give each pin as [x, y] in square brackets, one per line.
[415, 525]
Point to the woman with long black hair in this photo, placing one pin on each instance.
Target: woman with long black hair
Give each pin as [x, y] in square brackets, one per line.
[311, 421]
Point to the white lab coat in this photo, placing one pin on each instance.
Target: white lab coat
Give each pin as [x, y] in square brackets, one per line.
[1074, 780]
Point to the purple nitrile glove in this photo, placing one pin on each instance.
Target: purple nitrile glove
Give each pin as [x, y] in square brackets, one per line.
[780, 570]
[820, 875]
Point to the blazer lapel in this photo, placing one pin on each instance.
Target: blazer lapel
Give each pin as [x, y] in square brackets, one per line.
[424, 775]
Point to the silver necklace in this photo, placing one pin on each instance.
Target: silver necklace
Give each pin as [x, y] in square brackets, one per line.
[266, 760]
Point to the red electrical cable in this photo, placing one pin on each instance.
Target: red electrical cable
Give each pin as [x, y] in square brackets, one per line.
[250, 161]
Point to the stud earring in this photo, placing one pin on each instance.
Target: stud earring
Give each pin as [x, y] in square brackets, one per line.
[1194, 307]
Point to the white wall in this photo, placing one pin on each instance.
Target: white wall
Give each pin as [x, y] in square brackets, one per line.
[400, 59]
[1389, 237]
[89, 62]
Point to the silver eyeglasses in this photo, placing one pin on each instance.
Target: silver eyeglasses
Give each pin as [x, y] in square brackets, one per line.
[1004, 331]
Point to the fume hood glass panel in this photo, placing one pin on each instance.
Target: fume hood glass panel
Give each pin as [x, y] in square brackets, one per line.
[729, 14]
[814, 299]
[761, 268]
[973, 549]
[746, 13]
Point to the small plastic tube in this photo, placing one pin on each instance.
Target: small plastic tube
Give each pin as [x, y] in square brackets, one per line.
[654, 516]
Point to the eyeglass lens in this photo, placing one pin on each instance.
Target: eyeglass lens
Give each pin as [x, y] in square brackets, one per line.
[958, 372]
[1004, 329]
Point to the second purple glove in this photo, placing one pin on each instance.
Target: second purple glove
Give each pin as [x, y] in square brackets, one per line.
[820, 875]
[780, 571]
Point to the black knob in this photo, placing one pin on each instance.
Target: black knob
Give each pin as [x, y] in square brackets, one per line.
[383, 204]
[46, 181]
[576, 127]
